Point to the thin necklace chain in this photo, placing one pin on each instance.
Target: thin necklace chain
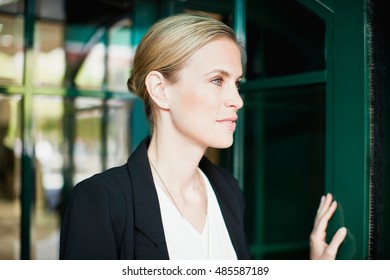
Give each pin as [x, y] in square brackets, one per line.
[165, 186]
[177, 207]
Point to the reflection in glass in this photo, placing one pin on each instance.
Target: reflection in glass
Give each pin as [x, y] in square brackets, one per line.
[120, 55]
[85, 56]
[88, 138]
[283, 38]
[12, 6]
[48, 140]
[11, 49]
[118, 132]
[102, 135]
[91, 72]
[10, 151]
[49, 9]
[284, 158]
[49, 54]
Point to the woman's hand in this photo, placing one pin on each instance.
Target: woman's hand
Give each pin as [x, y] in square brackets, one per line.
[319, 249]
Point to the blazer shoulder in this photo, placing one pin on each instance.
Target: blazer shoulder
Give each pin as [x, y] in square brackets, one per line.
[111, 180]
[111, 189]
[100, 209]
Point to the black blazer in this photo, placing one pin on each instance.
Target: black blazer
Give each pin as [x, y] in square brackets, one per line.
[116, 214]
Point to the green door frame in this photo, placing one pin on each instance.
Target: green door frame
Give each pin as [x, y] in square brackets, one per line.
[348, 129]
[27, 160]
[348, 119]
[347, 148]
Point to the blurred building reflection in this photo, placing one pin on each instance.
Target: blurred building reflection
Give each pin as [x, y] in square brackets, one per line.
[65, 112]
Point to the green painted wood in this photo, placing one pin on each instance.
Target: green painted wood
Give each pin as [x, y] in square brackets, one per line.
[287, 81]
[27, 163]
[349, 131]
[239, 136]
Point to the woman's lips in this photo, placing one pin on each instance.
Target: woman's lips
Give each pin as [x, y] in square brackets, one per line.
[230, 123]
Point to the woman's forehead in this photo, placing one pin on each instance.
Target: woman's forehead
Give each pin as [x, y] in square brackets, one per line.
[219, 55]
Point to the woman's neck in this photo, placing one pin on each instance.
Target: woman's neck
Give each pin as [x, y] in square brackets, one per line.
[174, 165]
[176, 160]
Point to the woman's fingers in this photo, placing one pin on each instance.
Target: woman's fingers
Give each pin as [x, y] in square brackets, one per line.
[319, 249]
[325, 212]
[324, 204]
[319, 210]
[334, 245]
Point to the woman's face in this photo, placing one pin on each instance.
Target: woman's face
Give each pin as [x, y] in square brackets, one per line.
[205, 99]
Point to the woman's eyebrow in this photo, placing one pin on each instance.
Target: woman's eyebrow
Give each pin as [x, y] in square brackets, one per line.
[222, 72]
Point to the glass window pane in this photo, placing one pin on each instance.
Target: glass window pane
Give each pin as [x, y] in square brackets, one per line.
[120, 55]
[284, 173]
[85, 56]
[49, 9]
[11, 49]
[10, 151]
[119, 134]
[88, 138]
[48, 134]
[283, 38]
[49, 54]
[12, 6]
[91, 72]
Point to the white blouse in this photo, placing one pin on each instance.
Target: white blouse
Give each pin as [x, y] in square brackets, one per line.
[184, 242]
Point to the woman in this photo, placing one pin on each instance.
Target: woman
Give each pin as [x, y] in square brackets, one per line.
[169, 201]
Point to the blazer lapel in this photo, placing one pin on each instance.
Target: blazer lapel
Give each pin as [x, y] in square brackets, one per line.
[147, 215]
[228, 209]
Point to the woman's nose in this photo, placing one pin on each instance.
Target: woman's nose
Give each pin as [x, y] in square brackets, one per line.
[234, 99]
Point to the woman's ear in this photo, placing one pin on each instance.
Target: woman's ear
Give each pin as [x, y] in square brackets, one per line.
[155, 84]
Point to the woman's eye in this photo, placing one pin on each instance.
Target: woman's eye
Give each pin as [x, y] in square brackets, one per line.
[238, 84]
[217, 82]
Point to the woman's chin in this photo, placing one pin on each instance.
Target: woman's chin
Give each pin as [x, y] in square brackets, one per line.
[223, 144]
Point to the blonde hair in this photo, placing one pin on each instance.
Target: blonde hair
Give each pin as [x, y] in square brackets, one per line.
[166, 47]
